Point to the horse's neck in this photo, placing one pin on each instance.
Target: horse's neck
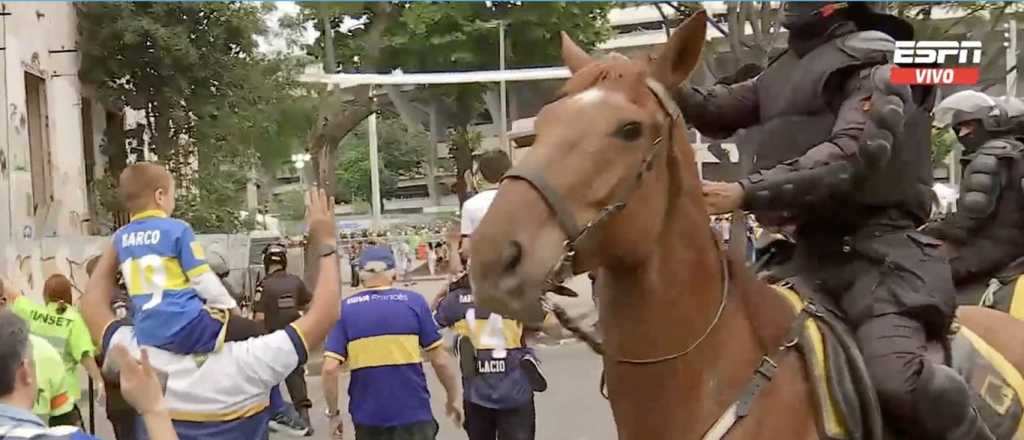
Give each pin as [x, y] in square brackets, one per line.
[663, 307]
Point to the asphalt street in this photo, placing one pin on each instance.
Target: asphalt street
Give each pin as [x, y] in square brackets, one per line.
[571, 409]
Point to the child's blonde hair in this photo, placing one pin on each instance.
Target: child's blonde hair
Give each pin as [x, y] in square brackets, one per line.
[139, 181]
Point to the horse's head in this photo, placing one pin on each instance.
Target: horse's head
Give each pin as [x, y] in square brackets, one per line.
[594, 189]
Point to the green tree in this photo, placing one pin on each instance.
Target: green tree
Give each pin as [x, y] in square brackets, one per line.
[167, 60]
[943, 143]
[290, 205]
[214, 107]
[400, 156]
[425, 37]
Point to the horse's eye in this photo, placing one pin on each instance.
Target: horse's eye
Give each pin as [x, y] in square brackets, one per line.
[630, 131]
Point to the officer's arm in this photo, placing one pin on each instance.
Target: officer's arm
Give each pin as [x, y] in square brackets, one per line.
[868, 116]
[955, 228]
[979, 197]
[985, 257]
[718, 111]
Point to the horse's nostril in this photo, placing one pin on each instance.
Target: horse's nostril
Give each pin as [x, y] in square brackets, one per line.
[512, 256]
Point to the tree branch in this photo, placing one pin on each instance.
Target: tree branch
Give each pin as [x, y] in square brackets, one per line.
[961, 19]
[664, 21]
[688, 10]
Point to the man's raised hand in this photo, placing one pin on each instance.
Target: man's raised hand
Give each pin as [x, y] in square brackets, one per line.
[320, 217]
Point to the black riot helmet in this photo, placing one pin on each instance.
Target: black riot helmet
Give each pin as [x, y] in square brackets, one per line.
[812, 23]
[992, 117]
[275, 254]
[810, 17]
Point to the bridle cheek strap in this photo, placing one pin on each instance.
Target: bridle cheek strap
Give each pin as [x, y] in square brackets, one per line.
[551, 196]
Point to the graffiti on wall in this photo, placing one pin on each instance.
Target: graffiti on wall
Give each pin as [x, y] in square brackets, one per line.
[26, 264]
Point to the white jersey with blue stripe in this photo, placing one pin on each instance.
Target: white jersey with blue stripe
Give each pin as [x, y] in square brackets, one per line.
[222, 395]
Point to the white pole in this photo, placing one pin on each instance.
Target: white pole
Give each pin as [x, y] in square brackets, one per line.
[700, 160]
[374, 173]
[954, 166]
[1011, 58]
[504, 91]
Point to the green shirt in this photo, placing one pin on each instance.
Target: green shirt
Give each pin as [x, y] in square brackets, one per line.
[65, 332]
[54, 397]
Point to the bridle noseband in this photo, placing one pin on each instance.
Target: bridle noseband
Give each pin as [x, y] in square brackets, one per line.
[564, 268]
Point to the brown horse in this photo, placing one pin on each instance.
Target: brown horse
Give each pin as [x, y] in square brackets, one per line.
[681, 337]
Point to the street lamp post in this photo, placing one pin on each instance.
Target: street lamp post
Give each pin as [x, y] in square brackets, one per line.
[504, 91]
[374, 174]
[299, 160]
[1011, 57]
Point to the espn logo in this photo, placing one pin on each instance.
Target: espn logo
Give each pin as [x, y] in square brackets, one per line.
[937, 53]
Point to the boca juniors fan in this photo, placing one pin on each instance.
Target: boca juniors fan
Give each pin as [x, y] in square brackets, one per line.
[381, 337]
[225, 394]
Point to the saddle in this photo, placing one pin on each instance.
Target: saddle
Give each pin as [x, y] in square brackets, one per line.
[845, 398]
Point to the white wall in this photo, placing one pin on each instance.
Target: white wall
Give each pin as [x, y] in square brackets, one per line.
[34, 35]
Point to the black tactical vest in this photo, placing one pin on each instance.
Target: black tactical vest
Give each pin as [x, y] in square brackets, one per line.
[1004, 226]
[798, 103]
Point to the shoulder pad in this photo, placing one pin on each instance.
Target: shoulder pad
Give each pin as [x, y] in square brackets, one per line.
[1002, 148]
[867, 44]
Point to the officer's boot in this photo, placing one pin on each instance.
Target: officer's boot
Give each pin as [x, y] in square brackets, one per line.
[944, 407]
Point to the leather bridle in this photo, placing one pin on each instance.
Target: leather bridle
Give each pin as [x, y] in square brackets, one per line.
[564, 267]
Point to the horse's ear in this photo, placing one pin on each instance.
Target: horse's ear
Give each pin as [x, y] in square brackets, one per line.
[574, 57]
[679, 56]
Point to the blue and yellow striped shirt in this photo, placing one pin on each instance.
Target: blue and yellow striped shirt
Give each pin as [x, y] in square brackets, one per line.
[158, 257]
[381, 336]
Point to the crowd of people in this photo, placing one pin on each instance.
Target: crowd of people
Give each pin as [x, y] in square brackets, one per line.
[722, 226]
[429, 248]
[152, 295]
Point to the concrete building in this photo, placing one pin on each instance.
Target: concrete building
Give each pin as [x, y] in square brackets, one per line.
[52, 131]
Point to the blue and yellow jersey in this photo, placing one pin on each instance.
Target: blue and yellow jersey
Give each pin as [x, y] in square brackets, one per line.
[381, 336]
[500, 345]
[158, 257]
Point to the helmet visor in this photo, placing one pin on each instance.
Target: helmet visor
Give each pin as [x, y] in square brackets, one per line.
[963, 106]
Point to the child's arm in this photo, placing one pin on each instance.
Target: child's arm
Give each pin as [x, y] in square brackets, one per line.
[207, 284]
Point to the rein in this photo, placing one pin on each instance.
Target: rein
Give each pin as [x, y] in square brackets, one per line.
[564, 268]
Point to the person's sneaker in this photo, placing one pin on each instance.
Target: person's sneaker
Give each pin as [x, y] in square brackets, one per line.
[531, 367]
[289, 423]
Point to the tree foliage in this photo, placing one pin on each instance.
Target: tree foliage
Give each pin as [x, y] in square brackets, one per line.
[194, 73]
[432, 37]
[943, 143]
[400, 156]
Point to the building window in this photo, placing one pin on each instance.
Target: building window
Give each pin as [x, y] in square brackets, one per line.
[39, 142]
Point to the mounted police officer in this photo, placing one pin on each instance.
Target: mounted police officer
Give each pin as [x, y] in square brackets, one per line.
[842, 155]
[986, 234]
[281, 297]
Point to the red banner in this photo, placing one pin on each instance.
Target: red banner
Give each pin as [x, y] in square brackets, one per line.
[936, 75]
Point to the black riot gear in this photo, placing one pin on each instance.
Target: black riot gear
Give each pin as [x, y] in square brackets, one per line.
[843, 155]
[987, 231]
[811, 23]
[275, 254]
[992, 117]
